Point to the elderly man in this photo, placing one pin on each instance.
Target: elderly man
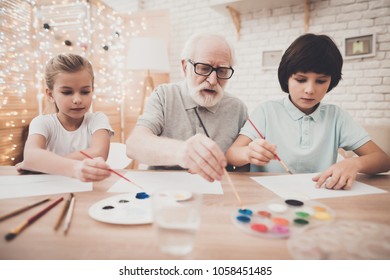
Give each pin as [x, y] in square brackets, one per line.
[191, 124]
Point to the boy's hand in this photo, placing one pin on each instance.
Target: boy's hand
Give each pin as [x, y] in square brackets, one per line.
[339, 176]
[260, 152]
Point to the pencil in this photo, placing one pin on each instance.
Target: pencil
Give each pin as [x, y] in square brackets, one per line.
[11, 235]
[69, 215]
[63, 212]
[224, 170]
[277, 157]
[113, 171]
[23, 209]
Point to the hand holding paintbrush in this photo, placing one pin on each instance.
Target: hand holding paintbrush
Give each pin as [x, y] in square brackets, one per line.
[276, 156]
[91, 170]
[113, 171]
[224, 170]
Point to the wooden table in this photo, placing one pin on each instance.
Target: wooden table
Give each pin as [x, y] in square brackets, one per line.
[217, 238]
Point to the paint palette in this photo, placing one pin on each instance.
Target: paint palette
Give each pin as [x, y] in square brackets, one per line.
[126, 209]
[281, 218]
[345, 239]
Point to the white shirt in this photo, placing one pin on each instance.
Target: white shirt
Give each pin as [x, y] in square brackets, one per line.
[63, 142]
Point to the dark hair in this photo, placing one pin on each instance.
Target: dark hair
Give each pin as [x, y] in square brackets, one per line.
[311, 53]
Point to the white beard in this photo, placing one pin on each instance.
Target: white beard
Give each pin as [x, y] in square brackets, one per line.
[205, 99]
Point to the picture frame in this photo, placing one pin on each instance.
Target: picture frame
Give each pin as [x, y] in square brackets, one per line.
[270, 59]
[359, 46]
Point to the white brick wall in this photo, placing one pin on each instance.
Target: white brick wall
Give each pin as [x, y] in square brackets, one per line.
[365, 89]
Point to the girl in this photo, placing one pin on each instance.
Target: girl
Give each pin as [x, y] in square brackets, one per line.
[55, 141]
[304, 132]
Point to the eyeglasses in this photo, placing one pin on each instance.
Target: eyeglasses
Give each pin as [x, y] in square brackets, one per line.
[204, 69]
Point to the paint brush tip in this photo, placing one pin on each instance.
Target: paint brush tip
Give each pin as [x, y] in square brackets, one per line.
[10, 236]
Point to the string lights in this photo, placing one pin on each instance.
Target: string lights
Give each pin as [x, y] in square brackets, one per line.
[32, 32]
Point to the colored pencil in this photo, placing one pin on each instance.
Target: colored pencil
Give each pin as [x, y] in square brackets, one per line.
[224, 170]
[16, 231]
[277, 157]
[23, 209]
[113, 171]
[69, 215]
[63, 212]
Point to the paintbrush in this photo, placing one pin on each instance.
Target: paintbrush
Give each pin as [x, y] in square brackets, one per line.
[233, 188]
[23, 209]
[63, 212]
[277, 157]
[224, 170]
[113, 171]
[16, 231]
[69, 215]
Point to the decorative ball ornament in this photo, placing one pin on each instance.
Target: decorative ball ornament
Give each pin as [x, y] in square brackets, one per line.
[84, 46]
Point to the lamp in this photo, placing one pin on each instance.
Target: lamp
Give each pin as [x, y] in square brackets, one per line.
[150, 54]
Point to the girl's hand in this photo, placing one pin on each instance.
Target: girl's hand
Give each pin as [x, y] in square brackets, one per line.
[340, 175]
[260, 152]
[90, 170]
[19, 168]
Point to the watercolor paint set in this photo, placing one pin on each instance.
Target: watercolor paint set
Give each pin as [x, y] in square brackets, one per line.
[126, 209]
[280, 218]
[130, 208]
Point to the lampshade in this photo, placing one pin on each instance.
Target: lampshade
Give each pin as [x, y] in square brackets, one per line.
[147, 53]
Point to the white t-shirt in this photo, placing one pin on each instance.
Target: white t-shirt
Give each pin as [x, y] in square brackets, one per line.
[63, 142]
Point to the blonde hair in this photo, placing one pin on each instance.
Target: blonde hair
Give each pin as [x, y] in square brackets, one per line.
[66, 63]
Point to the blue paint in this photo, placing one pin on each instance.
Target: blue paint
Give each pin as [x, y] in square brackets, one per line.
[244, 219]
[142, 195]
[245, 212]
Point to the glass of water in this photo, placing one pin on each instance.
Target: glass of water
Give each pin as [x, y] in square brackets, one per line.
[176, 216]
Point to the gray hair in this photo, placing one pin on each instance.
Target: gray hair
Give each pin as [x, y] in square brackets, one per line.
[191, 44]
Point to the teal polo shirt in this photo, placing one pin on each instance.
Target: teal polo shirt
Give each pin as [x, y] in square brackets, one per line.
[306, 143]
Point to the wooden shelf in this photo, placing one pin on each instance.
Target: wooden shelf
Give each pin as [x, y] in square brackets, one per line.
[246, 6]
[235, 8]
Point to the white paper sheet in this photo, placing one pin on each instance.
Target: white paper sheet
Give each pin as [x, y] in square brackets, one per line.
[33, 185]
[301, 185]
[156, 181]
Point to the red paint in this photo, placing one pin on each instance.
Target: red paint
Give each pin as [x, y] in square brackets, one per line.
[259, 227]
